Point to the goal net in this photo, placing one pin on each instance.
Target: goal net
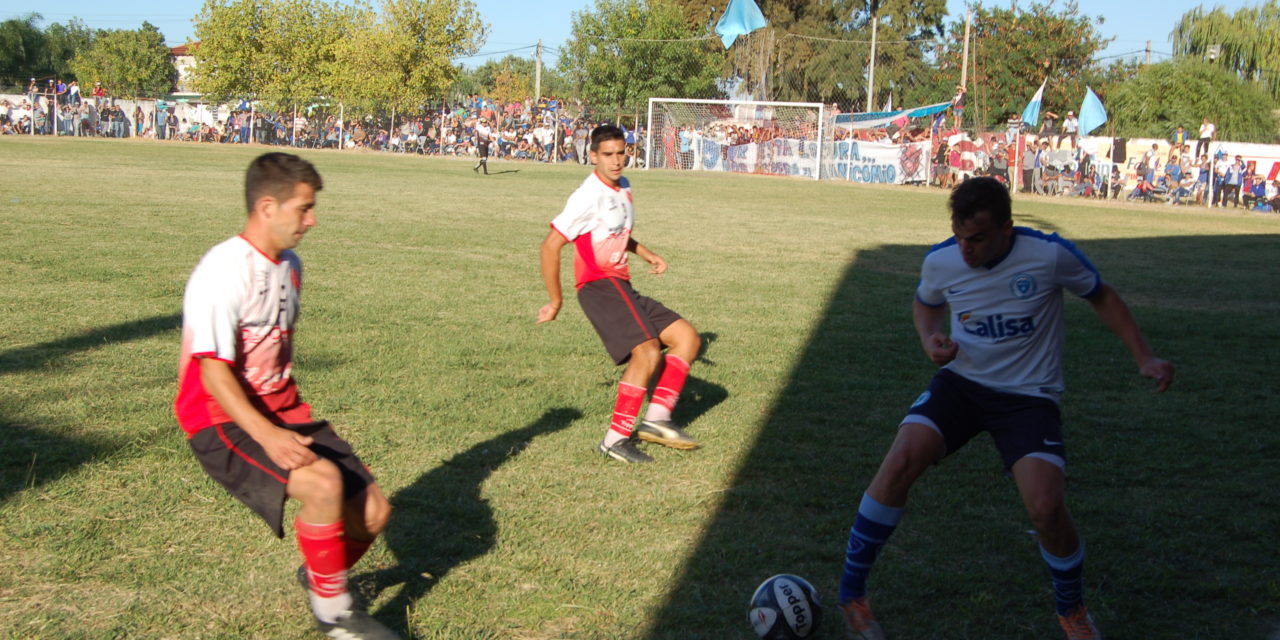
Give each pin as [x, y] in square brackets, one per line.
[772, 138]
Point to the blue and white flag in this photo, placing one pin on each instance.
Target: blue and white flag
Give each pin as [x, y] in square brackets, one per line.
[1092, 115]
[740, 18]
[877, 119]
[1031, 115]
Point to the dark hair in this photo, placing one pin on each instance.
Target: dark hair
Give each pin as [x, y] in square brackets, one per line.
[276, 175]
[976, 195]
[604, 133]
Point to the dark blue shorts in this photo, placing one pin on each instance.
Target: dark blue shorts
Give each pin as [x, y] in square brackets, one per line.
[959, 409]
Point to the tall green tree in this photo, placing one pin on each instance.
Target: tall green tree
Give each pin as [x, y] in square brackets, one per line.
[1185, 91]
[400, 55]
[281, 51]
[21, 49]
[514, 71]
[622, 52]
[62, 43]
[128, 62]
[826, 51]
[1246, 42]
[1015, 49]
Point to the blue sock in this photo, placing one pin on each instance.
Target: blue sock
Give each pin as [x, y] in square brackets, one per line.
[874, 525]
[1068, 583]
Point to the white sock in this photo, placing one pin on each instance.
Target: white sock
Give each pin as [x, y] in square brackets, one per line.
[657, 412]
[612, 437]
[328, 609]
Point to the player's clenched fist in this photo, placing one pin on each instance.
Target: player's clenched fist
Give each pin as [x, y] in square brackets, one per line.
[547, 313]
[940, 348]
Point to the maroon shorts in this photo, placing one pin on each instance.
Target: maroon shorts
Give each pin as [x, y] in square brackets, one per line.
[237, 462]
[622, 316]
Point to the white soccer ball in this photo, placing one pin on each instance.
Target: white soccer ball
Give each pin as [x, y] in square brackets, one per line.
[785, 607]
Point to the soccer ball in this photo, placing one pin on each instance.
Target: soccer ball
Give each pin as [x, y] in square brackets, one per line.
[785, 607]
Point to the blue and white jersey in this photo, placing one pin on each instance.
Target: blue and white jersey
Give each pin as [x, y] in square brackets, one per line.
[1006, 316]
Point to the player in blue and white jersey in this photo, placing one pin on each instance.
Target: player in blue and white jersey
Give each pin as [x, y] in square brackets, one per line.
[1001, 286]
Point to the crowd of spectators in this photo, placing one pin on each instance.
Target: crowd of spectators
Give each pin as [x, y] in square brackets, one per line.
[542, 130]
[547, 131]
[1053, 164]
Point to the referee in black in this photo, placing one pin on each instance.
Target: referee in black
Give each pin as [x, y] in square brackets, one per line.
[483, 135]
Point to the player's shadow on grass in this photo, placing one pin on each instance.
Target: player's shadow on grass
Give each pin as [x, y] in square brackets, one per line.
[498, 173]
[441, 520]
[776, 516]
[962, 564]
[37, 453]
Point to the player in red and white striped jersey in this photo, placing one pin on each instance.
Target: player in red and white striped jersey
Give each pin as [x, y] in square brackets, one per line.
[239, 404]
[597, 220]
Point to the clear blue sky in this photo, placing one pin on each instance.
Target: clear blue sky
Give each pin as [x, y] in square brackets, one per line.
[516, 24]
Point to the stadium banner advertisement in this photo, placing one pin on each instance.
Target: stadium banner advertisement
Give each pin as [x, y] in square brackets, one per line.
[876, 162]
[778, 157]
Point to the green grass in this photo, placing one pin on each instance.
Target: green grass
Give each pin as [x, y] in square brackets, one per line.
[417, 341]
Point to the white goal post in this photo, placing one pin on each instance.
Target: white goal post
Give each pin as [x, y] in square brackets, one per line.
[740, 136]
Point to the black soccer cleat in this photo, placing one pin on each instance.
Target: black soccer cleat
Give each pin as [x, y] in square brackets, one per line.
[665, 433]
[625, 450]
[356, 625]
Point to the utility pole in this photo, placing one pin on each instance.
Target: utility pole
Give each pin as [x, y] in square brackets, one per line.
[871, 72]
[1148, 52]
[537, 73]
[964, 65]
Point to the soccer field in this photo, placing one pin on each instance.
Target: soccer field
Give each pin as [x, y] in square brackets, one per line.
[417, 341]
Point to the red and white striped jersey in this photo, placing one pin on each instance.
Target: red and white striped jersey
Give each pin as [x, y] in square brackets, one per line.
[597, 219]
[240, 307]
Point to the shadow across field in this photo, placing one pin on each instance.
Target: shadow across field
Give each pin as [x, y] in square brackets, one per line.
[441, 520]
[34, 454]
[1158, 482]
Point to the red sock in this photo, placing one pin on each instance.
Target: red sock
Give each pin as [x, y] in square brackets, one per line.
[630, 397]
[324, 555]
[670, 384]
[355, 550]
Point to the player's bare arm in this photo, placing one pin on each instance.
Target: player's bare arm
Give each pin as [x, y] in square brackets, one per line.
[659, 265]
[936, 344]
[1116, 315]
[551, 247]
[286, 448]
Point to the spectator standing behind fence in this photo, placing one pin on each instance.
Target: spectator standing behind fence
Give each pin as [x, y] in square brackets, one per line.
[1231, 182]
[1037, 168]
[99, 94]
[957, 105]
[1179, 137]
[1049, 128]
[1207, 131]
[1070, 127]
[73, 93]
[580, 132]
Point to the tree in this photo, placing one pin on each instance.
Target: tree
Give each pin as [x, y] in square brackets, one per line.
[1183, 92]
[290, 61]
[1246, 42]
[1016, 49]
[400, 55]
[510, 72]
[21, 46]
[625, 51]
[128, 62]
[824, 56]
[62, 43]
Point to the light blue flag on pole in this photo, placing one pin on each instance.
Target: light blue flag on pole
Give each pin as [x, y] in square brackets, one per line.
[740, 18]
[1031, 115]
[1092, 115]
